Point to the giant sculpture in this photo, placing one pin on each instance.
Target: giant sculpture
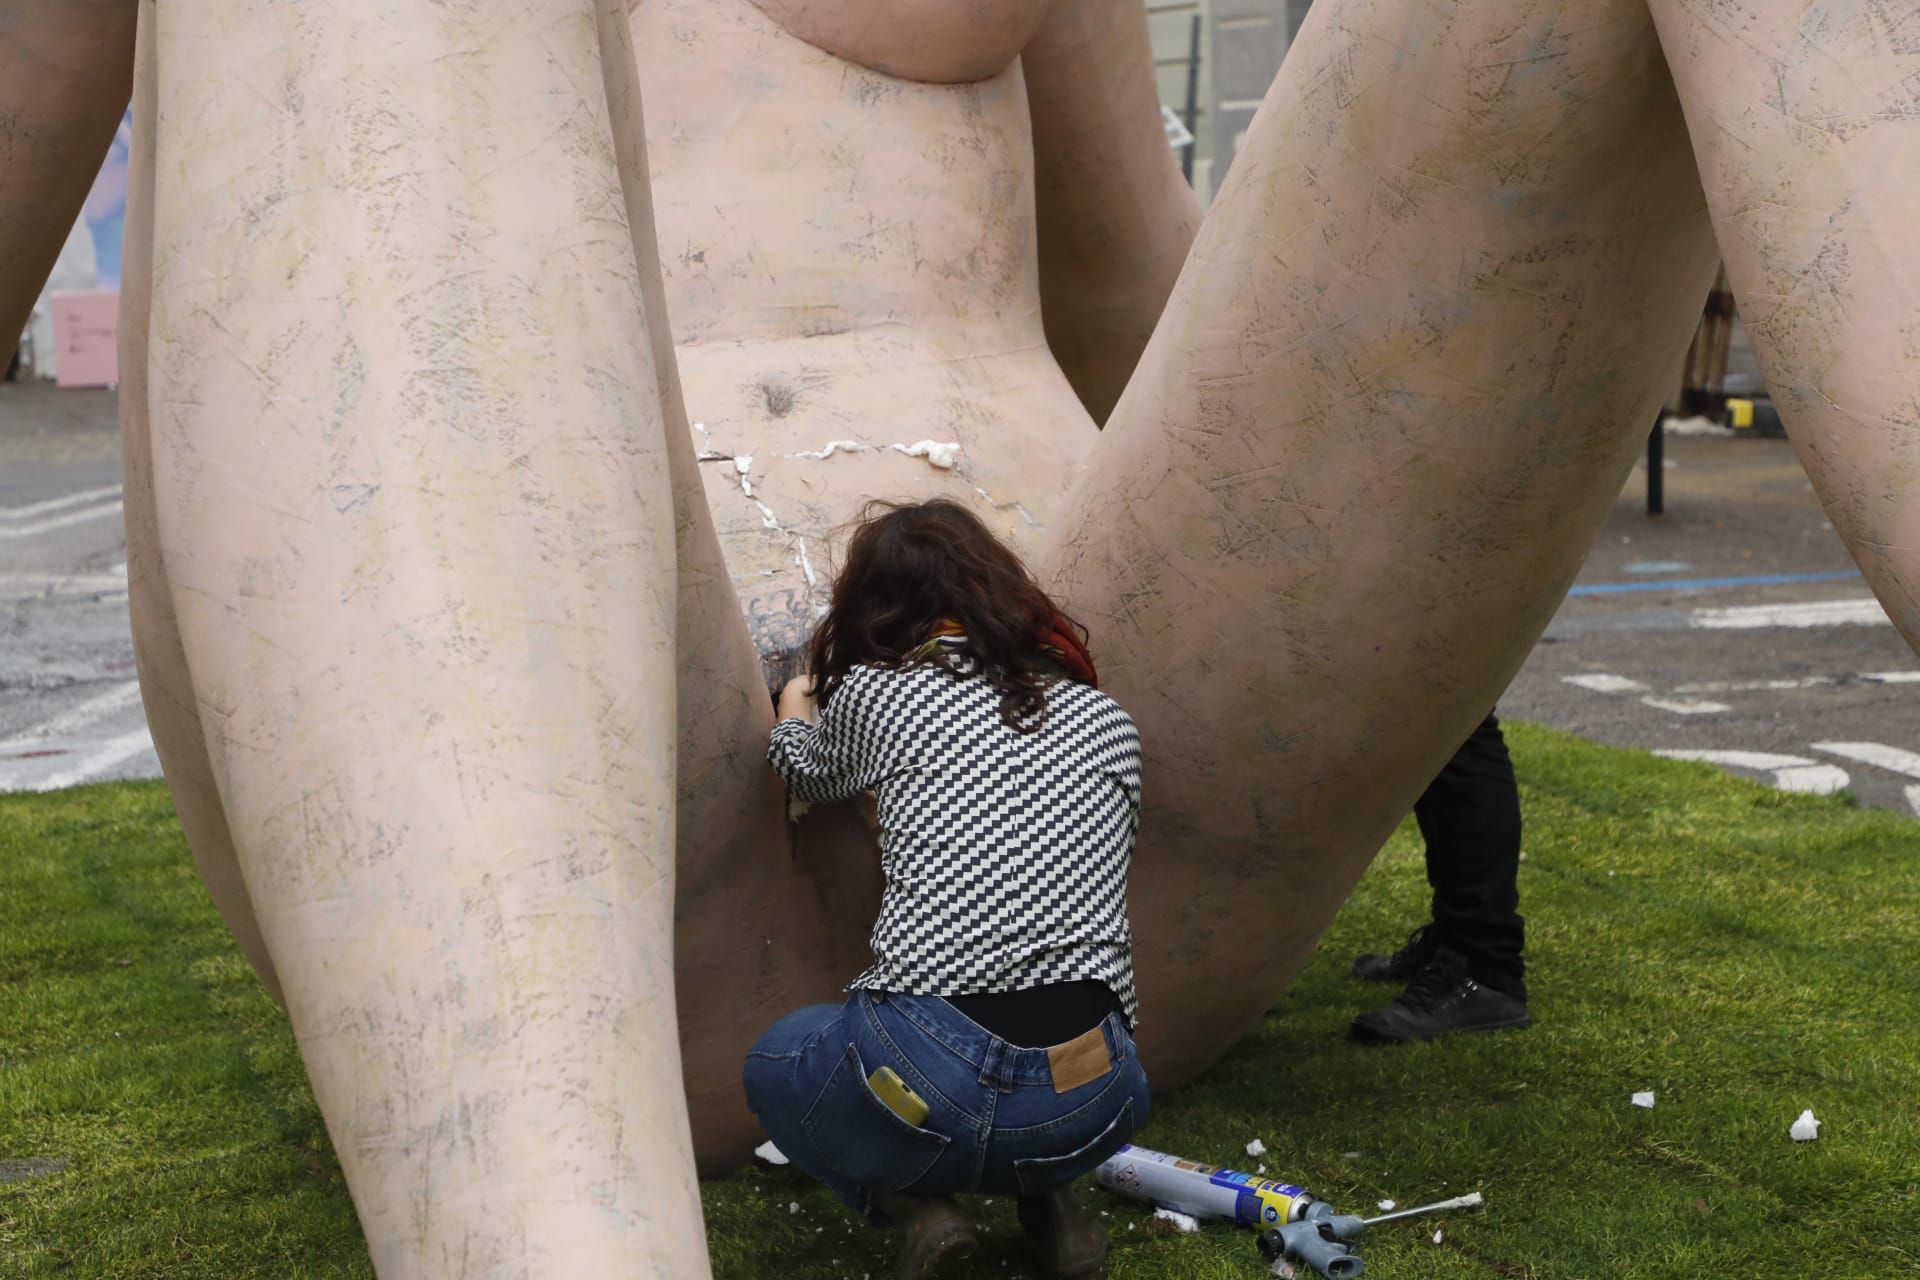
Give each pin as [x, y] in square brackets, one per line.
[460, 578]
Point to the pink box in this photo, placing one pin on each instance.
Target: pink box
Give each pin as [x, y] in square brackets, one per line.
[86, 347]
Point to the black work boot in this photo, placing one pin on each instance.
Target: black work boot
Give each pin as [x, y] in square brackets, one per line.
[937, 1239]
[1402, 964]
[1070, 1242]
[1441, 999]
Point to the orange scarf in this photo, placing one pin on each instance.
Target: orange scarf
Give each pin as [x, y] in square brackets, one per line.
[1058, 639]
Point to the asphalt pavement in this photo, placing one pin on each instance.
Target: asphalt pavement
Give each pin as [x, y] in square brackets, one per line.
[1734, 627]
[69, 706]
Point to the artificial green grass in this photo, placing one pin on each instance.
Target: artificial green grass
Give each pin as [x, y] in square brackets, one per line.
[1742, 953]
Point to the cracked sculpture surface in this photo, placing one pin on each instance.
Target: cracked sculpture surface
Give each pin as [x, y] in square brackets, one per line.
[483, 448]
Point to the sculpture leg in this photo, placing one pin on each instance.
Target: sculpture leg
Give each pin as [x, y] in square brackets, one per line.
[1402, 376]
[1806, 123]
[66, 67]
[412, 493]
[166, 686]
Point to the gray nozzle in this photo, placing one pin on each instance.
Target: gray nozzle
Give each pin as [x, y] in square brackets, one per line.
[1303, 1240]
[1344, 1266]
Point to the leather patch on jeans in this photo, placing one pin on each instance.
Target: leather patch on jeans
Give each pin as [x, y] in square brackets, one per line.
[1079, 1061]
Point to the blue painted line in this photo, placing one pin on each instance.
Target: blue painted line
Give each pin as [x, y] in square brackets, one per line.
[1708, 584]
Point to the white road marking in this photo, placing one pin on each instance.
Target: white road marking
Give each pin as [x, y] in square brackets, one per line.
[38, 673]
[1893, 677]
[1686, 706]
[59, 522]
[26, 586]
[1790, 773]
[1865, 611]
[59, 504]
[1892, 759]
[1755, 686]
[112, 752]
[116, 699]
[1601, 682]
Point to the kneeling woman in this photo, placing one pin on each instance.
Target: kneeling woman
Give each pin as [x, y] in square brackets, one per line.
[989, 1046]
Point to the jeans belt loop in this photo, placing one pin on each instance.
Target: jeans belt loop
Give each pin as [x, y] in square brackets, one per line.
[993, 1065]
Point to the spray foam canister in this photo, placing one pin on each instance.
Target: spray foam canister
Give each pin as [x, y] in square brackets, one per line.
[1202, 1190]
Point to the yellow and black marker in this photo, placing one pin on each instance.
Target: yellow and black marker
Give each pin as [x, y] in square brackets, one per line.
[1752, 417]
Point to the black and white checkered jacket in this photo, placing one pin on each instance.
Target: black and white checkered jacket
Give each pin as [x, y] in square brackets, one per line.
[1005, 854]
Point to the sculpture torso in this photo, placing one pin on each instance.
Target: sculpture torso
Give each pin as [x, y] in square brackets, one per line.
[849, 257]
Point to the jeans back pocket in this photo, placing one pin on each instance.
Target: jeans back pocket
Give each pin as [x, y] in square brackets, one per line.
[865, 1139]
[1046, 1173]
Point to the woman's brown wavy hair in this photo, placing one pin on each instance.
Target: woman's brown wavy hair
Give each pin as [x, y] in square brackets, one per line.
[911, 567]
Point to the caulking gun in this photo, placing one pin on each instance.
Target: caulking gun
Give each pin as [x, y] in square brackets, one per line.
[1293, 1224]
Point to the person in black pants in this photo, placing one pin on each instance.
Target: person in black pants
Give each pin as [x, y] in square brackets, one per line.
[1464, 971]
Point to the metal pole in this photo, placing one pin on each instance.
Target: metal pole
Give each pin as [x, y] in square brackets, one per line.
[1193, 99]
[1468, 1201]
[1656, 469]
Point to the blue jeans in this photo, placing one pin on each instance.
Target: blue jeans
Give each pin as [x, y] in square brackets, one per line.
[996, 1124]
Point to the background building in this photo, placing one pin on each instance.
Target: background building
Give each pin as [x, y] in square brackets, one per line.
[1241, 43]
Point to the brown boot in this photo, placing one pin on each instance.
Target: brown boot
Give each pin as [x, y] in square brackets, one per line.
[936, 1236]
[1070, 1242]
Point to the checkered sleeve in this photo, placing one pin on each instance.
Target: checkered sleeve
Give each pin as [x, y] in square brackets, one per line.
[822, 763]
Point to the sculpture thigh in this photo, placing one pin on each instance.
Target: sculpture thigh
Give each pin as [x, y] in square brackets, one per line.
[166, 686]
[1405, 370]
[411, 488]
[1807, 129]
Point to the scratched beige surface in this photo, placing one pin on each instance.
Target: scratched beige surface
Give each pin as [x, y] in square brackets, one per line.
[1422, 331]
[166, 685]
[459, 573]
[410, 461]
[854, 295]
[1806, 121]
[933, 41]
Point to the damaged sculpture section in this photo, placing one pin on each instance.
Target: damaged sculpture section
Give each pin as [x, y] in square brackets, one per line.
[781, 565]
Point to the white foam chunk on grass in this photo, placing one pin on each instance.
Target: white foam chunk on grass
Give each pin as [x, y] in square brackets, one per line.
[770, 1153]
[1185, 1221]
[1806, 1128]
[1256, 1148]
[1644, 1099]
